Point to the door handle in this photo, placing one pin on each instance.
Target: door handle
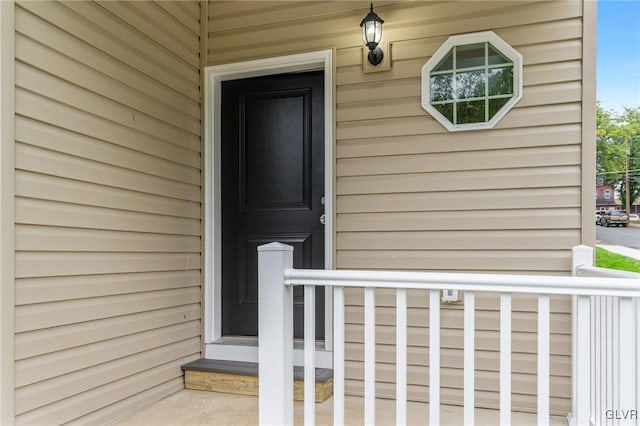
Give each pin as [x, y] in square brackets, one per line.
[323, 218]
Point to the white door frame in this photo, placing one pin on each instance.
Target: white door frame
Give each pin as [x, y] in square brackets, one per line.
[245, 349]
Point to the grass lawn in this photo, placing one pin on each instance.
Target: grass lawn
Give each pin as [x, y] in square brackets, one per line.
[606, 259]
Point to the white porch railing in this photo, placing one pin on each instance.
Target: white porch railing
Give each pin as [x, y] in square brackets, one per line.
[277, 278]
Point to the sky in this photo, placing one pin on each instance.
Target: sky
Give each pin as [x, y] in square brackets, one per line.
[618, 54]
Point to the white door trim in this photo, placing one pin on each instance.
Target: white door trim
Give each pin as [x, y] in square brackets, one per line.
[214, 75]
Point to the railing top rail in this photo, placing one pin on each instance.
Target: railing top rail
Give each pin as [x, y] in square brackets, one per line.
[560, 285]
[593, 271]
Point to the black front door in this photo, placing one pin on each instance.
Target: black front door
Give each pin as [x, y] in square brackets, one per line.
[272, 188]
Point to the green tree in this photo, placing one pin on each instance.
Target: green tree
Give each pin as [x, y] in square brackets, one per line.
[618, 141]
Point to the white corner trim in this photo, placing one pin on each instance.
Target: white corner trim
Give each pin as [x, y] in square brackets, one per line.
[214, 75]
[461, 40]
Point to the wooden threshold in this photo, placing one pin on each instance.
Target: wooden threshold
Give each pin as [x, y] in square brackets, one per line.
[241, 378]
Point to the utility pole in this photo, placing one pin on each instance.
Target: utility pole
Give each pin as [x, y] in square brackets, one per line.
[627, 197]
[627, 190]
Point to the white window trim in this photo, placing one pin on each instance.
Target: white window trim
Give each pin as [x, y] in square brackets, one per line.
[607, 194]
[459, 40]
[246, 349]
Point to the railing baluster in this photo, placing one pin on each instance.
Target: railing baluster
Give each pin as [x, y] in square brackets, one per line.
[505, 359]
[596, 334]
[369, 356]
[338, 356]
[401, 356]
[637, 351]
[543, 359]
[627, 357]
[615, 353]
[469, 357]
[309, 355]
[582, 360]
[434, 357]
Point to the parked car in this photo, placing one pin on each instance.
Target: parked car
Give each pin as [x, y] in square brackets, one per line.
[614, 218]
[634, 217]
[598, 216]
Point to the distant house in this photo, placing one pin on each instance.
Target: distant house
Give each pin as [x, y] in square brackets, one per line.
[606, 198]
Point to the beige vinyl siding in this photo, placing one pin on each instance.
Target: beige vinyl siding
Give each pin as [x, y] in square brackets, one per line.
[107, 208]
[412, 196]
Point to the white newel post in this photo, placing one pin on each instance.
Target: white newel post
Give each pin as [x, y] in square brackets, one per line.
[581, 345]
[275, 335]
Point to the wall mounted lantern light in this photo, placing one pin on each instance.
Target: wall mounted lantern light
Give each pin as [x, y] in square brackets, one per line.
[371, 35]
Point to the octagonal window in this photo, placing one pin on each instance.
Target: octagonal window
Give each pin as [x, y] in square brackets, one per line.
[472, 81]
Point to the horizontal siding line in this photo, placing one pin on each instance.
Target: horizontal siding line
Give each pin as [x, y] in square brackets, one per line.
[100, 308]
[189, 205]
[400, 23]
[187, 186]
[42, 382]
[373, 86]
[495, 330]
[155, 13]
[421, 60]
[193, 62]
[161, 215]
[411, 68]
[123, 131]
[461, 153]
[182, 17]
[67, 45]
[141, 234]
[70, 384]
[424, 114]
[111, 45]
[35, 343]
[125, 35]
[109, 186]
[117, 165]
[119, 252]
[100, 106]
[114, 274]
[256, 10]
[434, 128]
[25, 121]
[445, 191]
[97, 398]
[51, 212]
[260, 27]
[123, 356]
[31, 291]
[451, 147]
[550, 44]
[505, 169]
[475, 209]
[24, 56]
[410, 58]
[133, 402]
[494, 139]
[46, 303]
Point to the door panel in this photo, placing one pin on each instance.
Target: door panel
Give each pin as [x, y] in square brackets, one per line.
[272, 186]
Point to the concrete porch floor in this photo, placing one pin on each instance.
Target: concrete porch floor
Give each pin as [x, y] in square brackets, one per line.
[191, 407]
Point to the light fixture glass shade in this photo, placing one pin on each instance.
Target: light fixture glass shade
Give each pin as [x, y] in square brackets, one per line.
[371, 29]
[372, 33]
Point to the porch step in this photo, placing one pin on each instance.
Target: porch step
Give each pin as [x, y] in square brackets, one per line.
[241, 378]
